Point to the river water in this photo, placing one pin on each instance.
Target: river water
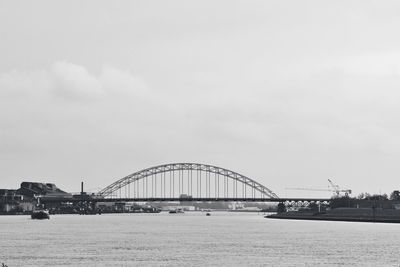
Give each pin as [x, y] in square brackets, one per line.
[193, 239]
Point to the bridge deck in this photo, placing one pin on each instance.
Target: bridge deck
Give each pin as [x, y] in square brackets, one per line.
[57, 200]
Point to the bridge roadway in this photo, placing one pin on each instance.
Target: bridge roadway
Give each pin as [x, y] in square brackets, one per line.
[97, 199]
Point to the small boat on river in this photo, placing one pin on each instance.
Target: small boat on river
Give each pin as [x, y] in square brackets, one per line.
[40, 214]
[178, 210]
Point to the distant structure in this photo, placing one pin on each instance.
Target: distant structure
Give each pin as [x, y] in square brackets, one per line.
[331, 188]
[24, 198]
[33, 189]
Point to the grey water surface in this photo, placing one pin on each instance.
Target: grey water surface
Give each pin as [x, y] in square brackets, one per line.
[193, 239]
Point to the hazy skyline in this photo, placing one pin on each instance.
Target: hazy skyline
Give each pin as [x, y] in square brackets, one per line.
[288, 93]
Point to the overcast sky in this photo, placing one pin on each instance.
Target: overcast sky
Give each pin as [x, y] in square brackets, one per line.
[289, 93]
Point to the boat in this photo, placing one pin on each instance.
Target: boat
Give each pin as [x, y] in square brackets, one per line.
[146, 209]
[40, 214]
[178, 210]
[208, 214]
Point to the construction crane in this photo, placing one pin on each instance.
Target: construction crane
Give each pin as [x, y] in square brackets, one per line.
[331, 188]
[337, 189]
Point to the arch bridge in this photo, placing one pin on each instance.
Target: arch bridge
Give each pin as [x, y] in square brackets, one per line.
[184, 182]
[187, 181]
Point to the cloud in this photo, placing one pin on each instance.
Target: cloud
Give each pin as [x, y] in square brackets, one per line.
[46, 104]
[74, 81]
[67, 122]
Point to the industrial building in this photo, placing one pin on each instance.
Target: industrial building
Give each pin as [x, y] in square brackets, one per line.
[23, 200]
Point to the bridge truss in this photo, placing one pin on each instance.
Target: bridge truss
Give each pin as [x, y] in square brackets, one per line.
[186, 180]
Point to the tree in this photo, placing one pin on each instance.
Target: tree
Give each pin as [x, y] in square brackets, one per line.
[395, 195]
[314, 207]
[341, 202]
[281, 207]
[377, 197]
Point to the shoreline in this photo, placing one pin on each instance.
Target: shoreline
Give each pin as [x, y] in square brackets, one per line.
[342, 214]
[337, 219]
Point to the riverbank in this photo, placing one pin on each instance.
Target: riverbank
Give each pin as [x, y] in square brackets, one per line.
[343, 214]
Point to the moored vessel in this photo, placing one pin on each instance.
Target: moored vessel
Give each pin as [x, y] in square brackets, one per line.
[40, 214]
[178, 210]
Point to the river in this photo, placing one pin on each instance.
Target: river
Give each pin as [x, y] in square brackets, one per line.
[193, 239]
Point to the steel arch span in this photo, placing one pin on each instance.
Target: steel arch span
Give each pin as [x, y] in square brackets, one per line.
[195, 180]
